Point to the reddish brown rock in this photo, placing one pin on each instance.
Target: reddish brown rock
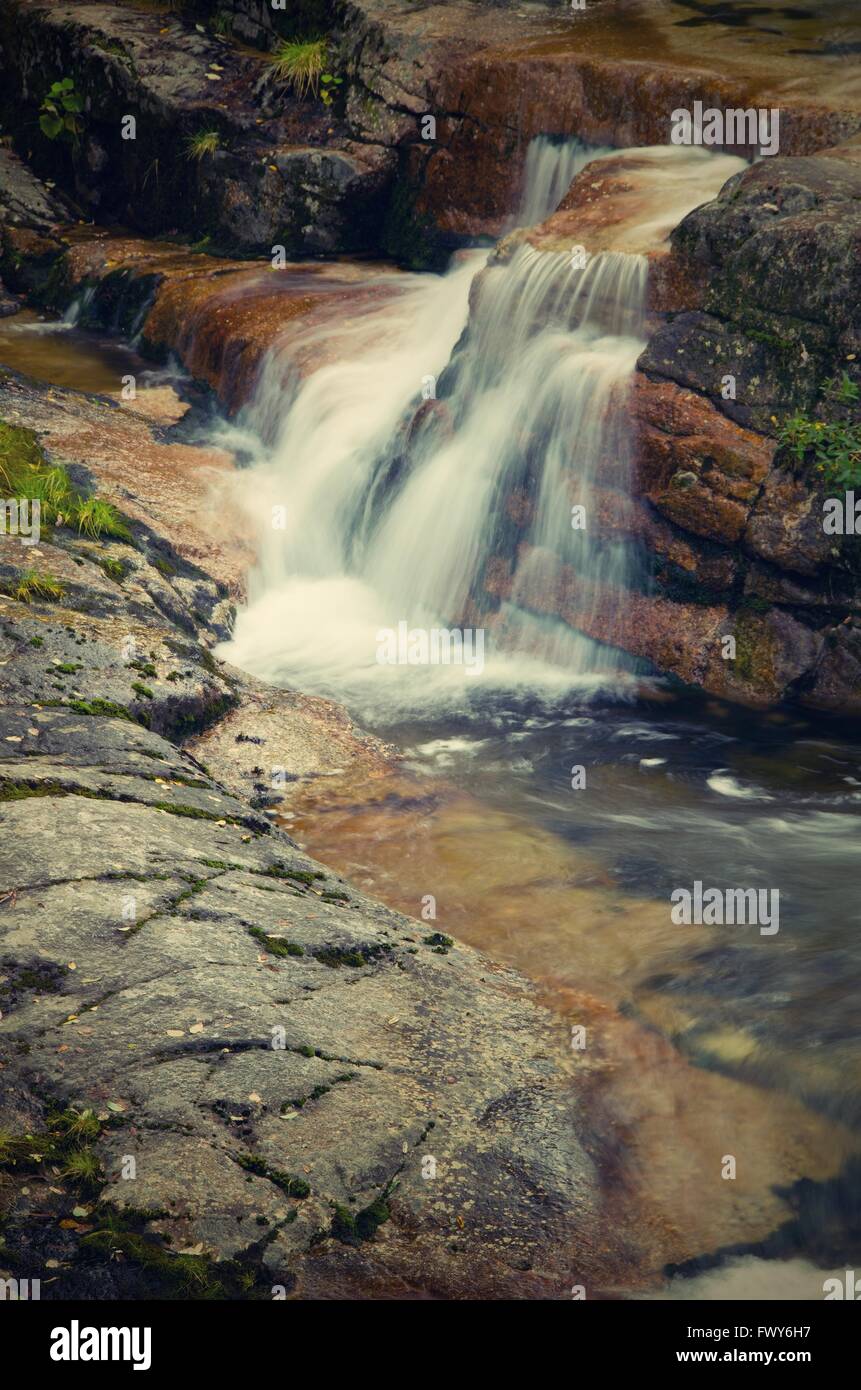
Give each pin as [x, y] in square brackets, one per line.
[697, 467]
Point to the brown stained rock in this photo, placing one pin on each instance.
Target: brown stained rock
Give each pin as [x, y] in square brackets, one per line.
[773, 650]
[219, 317]
[586, 76]
[612, 516]
[693, 464]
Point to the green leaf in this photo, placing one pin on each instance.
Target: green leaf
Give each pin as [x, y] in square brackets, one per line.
[50, 125]
[72, 102]
[67, 84]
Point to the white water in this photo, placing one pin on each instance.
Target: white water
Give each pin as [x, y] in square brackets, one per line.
[394, 516]
[551, 167]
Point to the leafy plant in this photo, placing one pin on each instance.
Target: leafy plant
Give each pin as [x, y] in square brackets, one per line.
[843, 392]
[301, 65]
[329, 83]
[830, 449]
[59, 114]
[202, 144]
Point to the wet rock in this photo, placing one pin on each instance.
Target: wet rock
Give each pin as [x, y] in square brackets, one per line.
[837, 685]
[696, 467]
[777, 259]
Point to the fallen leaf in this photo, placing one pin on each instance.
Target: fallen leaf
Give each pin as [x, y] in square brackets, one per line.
[196, 1028]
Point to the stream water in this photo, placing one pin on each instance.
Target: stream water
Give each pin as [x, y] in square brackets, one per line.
[551, 799]
[550, 802]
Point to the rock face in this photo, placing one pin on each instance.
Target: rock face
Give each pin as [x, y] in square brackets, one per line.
[776, 259]
[279, 171]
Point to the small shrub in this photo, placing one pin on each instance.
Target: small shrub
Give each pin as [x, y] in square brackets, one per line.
[829, 449]
[59, 114]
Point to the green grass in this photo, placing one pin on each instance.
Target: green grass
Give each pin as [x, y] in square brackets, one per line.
[202, 144]
[96, 518]
[31, 585]
[114, 569]
[300, 65]
[25, 472]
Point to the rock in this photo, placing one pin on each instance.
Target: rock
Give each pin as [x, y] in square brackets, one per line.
[24, 200]
[777, 259]
[277, 1073]
[837, 683]
[250, 192]
[785, 525]
[232, 1064]
[696, 467]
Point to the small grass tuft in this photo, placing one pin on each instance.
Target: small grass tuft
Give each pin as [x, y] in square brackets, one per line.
[32, 585]
[202, 144]
[301, 65]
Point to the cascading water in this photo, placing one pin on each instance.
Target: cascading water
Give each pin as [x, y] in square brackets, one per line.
[428, 479]
[395, 515]
[551, 167]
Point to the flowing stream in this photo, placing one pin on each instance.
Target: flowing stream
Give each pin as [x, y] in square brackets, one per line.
[424, 475]
[422, 479]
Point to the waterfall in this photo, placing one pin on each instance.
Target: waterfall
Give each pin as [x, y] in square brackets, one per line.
[551, 166]
[400, 510]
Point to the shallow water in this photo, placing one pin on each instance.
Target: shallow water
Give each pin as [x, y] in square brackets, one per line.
[712, 1040]
[55, 351]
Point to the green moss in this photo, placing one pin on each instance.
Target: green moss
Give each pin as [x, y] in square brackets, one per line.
[275, 945]
[193, 812]
[290, 1183]
[97, 708]
[754, 649]
[357, 956]
[438, 939]
[142, 690]
[351, 1228]
[297, 875]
